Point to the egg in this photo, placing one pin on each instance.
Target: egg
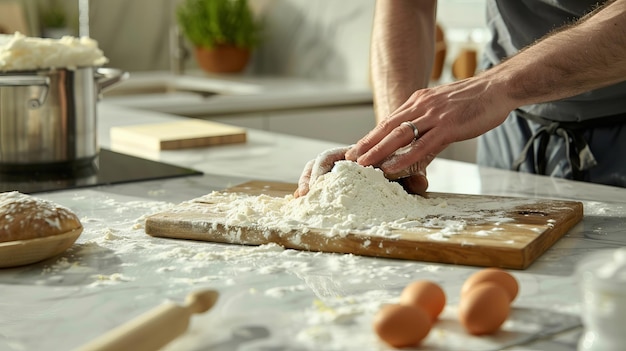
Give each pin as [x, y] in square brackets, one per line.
[484, 308]
[425, 294]
[494, 275]
[401, 325]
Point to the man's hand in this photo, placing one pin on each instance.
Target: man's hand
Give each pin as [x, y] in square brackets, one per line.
[443, 114]
[415, 184]
[321, 165]
[413, 179]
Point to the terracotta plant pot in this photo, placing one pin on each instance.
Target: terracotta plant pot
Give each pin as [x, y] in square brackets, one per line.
[222, 59]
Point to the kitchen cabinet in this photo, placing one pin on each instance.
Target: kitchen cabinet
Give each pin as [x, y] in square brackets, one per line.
[245, 120]
[322, 110]
[334, 112]
[340, 124]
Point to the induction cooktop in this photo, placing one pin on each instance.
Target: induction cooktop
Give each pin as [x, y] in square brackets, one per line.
[109, 168]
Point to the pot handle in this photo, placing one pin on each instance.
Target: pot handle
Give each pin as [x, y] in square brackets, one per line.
[23, 80]
[106, 77]
[18, 80]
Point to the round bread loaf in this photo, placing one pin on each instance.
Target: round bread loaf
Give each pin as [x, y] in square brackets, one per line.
[24, 217]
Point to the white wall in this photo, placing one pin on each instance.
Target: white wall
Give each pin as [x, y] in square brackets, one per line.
[320, 39]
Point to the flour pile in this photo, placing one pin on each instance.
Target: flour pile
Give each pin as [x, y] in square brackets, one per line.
[347, 199]
[355, 197]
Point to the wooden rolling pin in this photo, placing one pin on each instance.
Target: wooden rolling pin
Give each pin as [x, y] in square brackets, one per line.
[155, 328]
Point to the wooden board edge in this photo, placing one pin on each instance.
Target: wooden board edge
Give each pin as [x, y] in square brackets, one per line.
[176, 144]
[515, 259]
[164, 227]
[549, 237]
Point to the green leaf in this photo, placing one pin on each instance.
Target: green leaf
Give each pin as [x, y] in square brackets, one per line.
[209, 23]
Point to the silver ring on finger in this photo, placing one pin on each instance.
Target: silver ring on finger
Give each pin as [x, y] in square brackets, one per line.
[416, 132]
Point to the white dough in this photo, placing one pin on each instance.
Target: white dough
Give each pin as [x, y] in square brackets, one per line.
[21, 53]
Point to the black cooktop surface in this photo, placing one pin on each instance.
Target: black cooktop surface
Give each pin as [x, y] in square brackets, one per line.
[109, 168]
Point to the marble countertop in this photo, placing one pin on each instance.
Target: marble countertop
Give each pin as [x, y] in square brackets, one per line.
[272, 298]
[199, 94]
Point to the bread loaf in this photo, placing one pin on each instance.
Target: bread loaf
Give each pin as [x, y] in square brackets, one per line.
[24, 217]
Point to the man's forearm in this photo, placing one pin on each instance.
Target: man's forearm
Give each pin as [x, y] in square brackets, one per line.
[401, 52]
[587, 55]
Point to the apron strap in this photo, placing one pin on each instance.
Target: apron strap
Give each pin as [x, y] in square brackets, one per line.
[579, 153]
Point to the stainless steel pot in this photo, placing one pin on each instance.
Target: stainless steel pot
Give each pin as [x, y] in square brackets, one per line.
[48, 117]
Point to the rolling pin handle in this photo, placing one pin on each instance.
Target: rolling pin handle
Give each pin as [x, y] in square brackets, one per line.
[155, 328]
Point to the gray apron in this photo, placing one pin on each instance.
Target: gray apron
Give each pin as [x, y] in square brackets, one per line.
[582, 137]
[592, 151]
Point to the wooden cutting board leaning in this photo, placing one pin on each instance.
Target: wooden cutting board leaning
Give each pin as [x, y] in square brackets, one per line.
[188, 133]
[528, 231]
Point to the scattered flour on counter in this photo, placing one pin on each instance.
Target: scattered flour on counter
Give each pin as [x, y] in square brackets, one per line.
[335, 323]
[63, 264]
[110, 279]
[165, 269]
[193, 254]
[113, 277]
[343, 310]
[199, 280]
[280, 291]
[110, 236]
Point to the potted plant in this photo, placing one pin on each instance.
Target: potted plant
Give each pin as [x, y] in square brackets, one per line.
[223, 33]
[54, 21]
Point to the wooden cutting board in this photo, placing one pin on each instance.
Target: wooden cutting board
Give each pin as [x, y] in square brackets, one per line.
[176, 135]
[532, 228]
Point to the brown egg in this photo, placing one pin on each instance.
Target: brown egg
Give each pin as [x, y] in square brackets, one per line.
[401, 325]
[484, 308]
[495, 275]
[425, 294]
